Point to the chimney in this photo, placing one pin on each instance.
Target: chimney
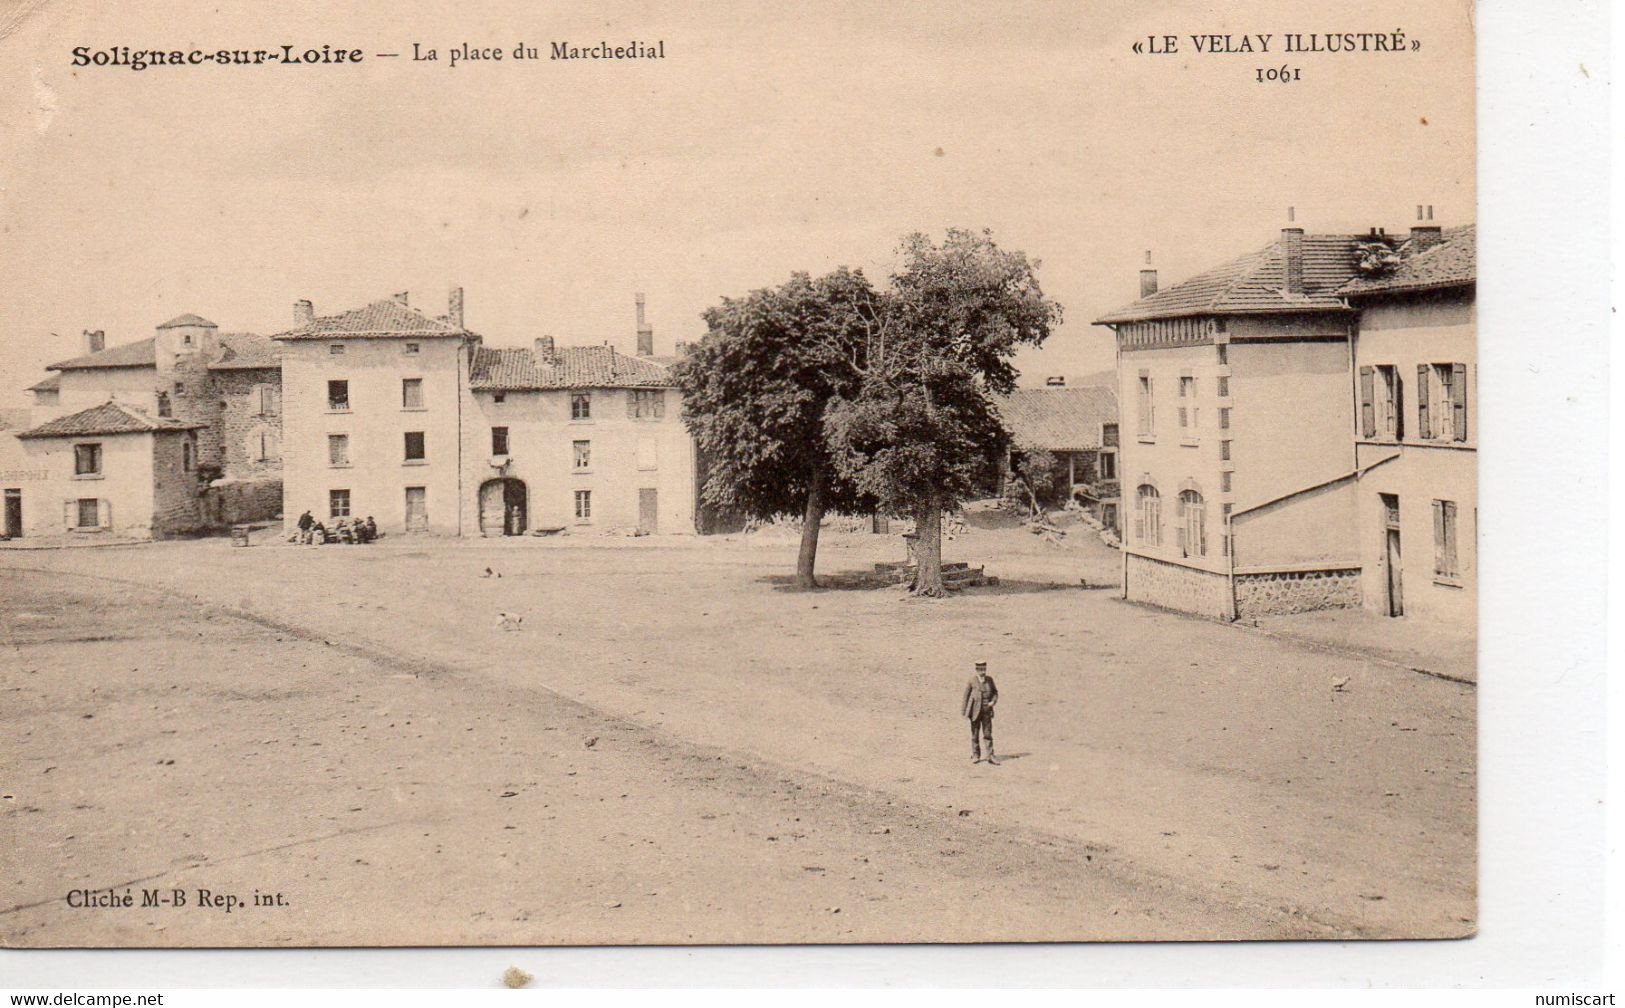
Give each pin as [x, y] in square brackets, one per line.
[646, 333]
[1424, 233]
[95, 340]
[1292, 249]
[303, 313]
[544, 350]
[401, 297]
[1148, 277]
[1056, 381]
[454, 307]
[680, 348]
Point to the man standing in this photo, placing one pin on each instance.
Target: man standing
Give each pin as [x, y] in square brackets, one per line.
[305, 522]
[980, 695]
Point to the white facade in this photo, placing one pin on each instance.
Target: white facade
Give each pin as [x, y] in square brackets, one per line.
[1418, 493]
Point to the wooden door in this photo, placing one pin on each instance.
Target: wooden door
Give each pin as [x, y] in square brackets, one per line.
[417, 509]
[14, 514]
[649, 510]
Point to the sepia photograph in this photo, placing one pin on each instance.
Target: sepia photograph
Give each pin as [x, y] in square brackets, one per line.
[738, 474]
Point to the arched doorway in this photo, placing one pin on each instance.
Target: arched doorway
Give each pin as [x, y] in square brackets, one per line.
[504, 508]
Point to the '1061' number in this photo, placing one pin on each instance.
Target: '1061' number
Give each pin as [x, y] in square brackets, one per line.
[1279, 75]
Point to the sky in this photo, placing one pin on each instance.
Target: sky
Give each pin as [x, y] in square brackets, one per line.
[773, 138]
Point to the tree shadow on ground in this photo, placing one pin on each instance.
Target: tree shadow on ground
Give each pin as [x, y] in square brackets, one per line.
[866, 581]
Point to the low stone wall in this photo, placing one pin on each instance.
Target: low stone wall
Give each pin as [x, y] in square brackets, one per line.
[1173, 586]
[1284, 592]
[242, 501]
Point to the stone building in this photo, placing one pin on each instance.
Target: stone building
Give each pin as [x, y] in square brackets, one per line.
[1079, 428]
[182, 378]
[1245, 457]
[1416, 368]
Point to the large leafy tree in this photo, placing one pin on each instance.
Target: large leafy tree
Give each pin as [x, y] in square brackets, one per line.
[922, 423]
[755, 391]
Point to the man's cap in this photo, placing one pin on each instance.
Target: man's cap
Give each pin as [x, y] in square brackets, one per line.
[981, 666]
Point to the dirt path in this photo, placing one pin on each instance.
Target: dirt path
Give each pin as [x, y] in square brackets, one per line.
[1214, 775]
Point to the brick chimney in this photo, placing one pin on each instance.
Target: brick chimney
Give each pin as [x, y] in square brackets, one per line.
[95, 340]
[1424, 233]
[646, 333]
[1056, 381]
[401, 297]
[303, 313]
[454, 307]
[1292, 251]
[544, 350]
[1148, 277]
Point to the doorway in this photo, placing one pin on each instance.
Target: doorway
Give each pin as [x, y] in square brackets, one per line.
[649, 510]
[504, 508]
[417, 509]
[1394, 591]
[14, 514]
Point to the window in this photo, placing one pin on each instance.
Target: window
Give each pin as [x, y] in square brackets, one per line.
[411, 349]
[1224, 418]
[338, 503]
[186, 455]
[1192, 525]
[89, 513]
[1224, 538]
[1441, 401]
[583, 505]
[1224, 353]
[1224, 451]
[338, 396]
[1148, 516]
[1382, 413]
[1444, 539]
[1187, 402]
[338, 450]
[186, 339]
[180, 389]
[87, 460]
[270, 399]
[1148, 408]
[163, 405]
[1224, 386]
[499, 440]
[1224, 481]
[499, 397]
[581, 406]
[411, 393]
[262, 445]
[583, 454]
[1108, 465]
[646, 404]
[414, 446]
[336, 349]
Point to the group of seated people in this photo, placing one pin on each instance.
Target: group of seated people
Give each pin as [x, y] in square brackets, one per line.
[343, 531]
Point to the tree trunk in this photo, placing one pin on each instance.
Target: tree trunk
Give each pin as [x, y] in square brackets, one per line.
[928, 550]
[811, 521]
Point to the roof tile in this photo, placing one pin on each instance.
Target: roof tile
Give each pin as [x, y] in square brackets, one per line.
[516, 369]
[1059, 419]
[385, 318]
[108, 418]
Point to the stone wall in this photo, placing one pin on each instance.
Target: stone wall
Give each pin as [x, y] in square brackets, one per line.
[176, 507]
[1173, 586]
[242, 501]
[244, 417]
[1282, 592]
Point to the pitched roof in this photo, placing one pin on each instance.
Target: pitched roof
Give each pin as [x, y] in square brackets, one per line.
[187, 320]
[50, 384]
[242, 351]
[1059, 419]
[1253, 284]
[1452, 262]
[108, 418]
[385, 318]
[516, 369]
[137, 354]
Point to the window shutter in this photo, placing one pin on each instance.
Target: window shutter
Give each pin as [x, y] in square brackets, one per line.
[660, 404]
[1368, 409]
[631, 404]
[70, 514]
[1399, 405]
[1423, 428]
[1458, 399]
[1450, 537]
[104, 513]
[1139, 520]
[1438, 537]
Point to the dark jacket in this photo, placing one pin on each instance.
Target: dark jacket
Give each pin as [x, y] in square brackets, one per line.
[973, 703]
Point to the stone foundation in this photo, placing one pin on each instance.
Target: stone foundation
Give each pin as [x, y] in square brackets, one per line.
[1284, 592]
[1173, 586]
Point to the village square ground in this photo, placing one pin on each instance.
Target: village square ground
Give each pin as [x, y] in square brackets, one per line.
[676, 748]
